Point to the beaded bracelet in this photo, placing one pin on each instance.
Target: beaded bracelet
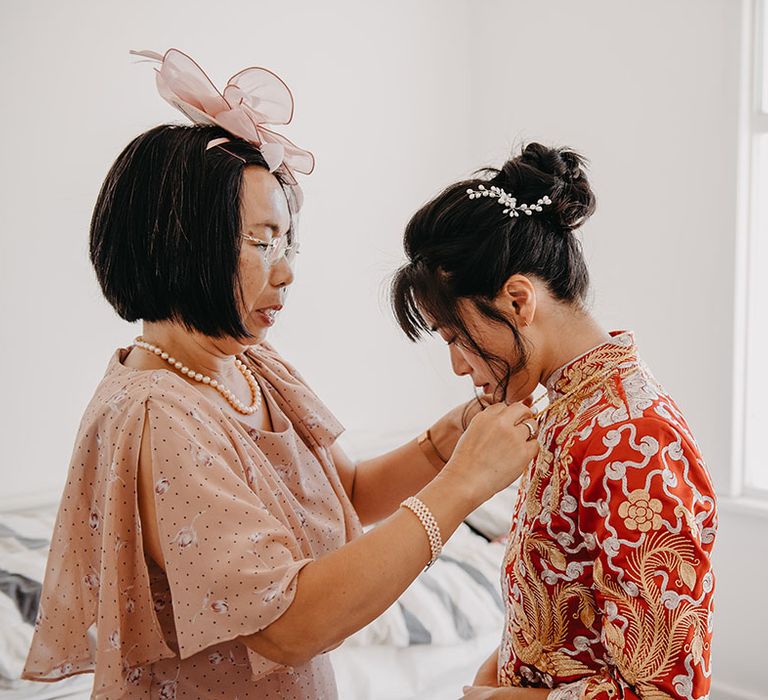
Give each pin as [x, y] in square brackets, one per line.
[429, 523]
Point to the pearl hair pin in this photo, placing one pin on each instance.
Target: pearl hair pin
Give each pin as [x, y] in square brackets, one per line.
[233, 401]
[508, 201]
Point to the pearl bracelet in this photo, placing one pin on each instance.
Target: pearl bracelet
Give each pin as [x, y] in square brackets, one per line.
[429, 523]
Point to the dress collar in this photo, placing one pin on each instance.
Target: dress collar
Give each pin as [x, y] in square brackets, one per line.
[618, 350]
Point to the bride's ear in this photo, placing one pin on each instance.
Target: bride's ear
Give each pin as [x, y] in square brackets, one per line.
[517, 299]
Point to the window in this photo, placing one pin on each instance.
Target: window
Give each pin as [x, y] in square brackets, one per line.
[756, 385]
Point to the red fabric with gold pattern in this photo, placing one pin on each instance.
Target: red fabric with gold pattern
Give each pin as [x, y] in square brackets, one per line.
[608, 576]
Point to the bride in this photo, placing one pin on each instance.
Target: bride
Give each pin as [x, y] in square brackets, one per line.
[608, 577]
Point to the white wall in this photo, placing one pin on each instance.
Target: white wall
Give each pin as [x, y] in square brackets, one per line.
[648, 91]
[396, 99]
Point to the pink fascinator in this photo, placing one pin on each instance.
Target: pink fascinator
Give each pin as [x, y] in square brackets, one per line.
[252, 98]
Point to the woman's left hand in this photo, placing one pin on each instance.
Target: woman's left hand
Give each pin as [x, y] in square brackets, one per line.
[445, 433]
[485, 692]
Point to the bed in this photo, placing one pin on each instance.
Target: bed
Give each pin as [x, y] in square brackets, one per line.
[427, 645]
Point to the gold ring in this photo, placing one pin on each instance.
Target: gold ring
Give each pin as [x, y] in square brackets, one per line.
[531, 429]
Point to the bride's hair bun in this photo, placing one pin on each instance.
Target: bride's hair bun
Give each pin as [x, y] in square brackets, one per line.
[472, 237]
[558, 173]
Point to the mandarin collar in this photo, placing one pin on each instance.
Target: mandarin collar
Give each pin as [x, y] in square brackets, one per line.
[598, 358]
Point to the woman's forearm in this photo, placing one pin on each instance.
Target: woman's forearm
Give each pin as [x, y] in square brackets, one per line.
[345, 590]
[377, 486]
[382, 483]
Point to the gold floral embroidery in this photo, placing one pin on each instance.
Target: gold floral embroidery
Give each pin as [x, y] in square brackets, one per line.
[646, 647]
[599, 688]
[690, 520]
[609, 356]
[539, 624]
[583, 385]
[641, 512]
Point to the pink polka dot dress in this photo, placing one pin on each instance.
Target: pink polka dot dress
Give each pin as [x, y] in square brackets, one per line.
[239, 513]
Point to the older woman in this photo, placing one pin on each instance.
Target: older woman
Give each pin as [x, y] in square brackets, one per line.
[608, 576]
[208, 543]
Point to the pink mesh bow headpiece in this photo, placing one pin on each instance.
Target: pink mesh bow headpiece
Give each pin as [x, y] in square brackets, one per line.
[251, 98]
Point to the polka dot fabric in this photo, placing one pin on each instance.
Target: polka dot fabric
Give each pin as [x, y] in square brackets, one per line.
[239, 513]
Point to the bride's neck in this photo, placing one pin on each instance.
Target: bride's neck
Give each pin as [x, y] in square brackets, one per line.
[572, 336]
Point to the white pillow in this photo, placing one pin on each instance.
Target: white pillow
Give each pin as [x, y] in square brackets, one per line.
[494, 518]
[15, 639]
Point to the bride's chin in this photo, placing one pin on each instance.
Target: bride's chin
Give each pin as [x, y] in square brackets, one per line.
[516, 397]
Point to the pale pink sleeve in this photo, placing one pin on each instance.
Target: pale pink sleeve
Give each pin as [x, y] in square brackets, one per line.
[231, 557]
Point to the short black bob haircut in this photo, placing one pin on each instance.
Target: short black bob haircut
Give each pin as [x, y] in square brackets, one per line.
[462, 248]
[165, 233]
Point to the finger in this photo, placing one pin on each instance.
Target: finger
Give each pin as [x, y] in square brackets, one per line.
[494, 410]
[519, 411]
[475, 406]
[531, 426]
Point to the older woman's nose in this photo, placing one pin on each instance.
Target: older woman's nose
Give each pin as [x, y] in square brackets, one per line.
[281, 274]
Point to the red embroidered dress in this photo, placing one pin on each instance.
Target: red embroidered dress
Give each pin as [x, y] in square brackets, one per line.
[608, 579]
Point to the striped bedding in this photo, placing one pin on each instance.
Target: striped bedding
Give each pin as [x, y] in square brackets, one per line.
[24, 537]
[455, 601]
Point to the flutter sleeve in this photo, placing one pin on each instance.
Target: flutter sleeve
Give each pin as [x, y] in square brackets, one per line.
[649, 504]
[226, 532]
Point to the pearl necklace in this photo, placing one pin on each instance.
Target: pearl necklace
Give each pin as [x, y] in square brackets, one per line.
[236, 403]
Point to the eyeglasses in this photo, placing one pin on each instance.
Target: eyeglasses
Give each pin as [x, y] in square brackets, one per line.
[275, 249]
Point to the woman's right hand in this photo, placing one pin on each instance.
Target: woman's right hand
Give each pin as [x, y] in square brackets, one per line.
[342, 591]
[494, 451]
